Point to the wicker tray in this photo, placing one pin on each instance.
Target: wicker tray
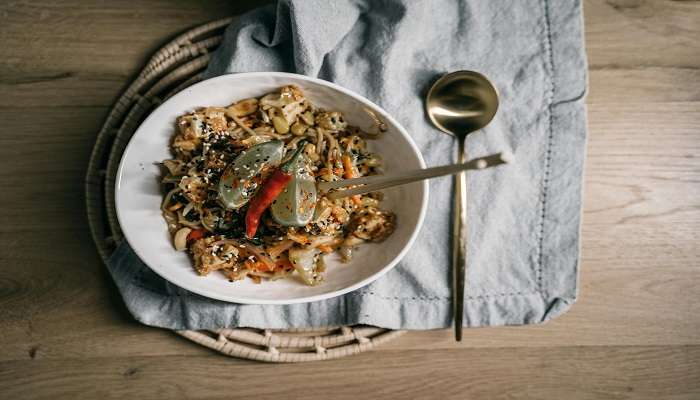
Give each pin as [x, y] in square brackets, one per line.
[172, 68]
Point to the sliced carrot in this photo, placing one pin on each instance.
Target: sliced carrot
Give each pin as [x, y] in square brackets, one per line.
[258, 266]
[264, 267]
[301, 239]
[348, 166]
[175, 206]
[325, 248]
[350, 173]
[284, 264]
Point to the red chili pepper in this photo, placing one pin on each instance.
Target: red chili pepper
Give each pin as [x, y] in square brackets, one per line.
[269, 192]
[196, 234]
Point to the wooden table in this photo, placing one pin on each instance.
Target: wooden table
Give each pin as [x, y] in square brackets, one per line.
[634, 333]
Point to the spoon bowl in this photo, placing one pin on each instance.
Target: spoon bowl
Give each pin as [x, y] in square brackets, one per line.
[462, 102]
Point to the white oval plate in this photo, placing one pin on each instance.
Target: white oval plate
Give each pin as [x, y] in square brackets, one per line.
[138, 194]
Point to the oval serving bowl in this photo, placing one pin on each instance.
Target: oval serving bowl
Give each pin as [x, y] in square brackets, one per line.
[138, 194]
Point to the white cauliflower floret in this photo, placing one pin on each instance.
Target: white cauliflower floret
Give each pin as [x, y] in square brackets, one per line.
[209, 256]
[191, 129]
[194, 188]
[215, 118]
[374, 225]
[331, 121]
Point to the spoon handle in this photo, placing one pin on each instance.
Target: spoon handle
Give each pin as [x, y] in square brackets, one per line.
[459, 248]
[378, 182]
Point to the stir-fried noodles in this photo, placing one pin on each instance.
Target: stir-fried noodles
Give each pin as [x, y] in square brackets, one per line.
[240, 190]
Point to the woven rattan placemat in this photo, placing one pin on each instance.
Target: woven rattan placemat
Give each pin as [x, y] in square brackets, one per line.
[174, 67]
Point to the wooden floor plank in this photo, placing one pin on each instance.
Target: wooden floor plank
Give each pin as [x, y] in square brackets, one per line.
[513, 373]
[658, 33]
[45, 39]
[607, 86]
[643, 85]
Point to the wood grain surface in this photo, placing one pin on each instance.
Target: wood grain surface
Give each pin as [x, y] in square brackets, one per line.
[634, 333]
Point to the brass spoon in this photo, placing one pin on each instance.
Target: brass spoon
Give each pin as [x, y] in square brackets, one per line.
[458, 104]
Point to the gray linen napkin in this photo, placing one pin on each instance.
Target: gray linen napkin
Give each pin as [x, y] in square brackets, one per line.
[523, 220]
